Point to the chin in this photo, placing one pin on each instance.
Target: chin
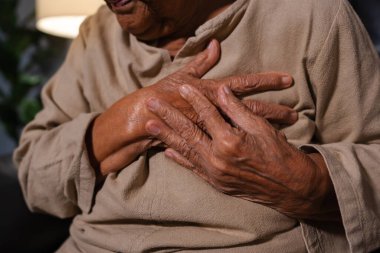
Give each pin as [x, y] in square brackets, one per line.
[141, 35]
[140, 29]
[145, 31]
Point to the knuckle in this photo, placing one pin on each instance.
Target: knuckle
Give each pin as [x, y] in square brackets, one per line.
[194, 66]
[262, 81]
[229, 145]
[204, 108]
[266, 80]
[272, 132]
[172, 79]
[201, 123]
[266, 128]
[245, 81]
[206, 111]
[184, 149]
[241, 81]
[201, 57]
[197, 83]
[193, 69]
[208, 89]
[253, 81]
[190, 114]
[238, 103]
[166, 114]
[191, 133]
[172, 82]
[165, 136]
[256, 107]
[221, 171]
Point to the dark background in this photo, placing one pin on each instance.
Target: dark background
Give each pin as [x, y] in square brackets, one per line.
[27, 59]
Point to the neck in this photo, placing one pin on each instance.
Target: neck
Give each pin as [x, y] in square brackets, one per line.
[206, 11]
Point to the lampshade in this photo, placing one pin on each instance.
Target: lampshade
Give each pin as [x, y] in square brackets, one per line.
[63, 17]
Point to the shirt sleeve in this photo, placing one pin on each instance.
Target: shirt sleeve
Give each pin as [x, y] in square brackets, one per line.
[345, 78]
[53, 166]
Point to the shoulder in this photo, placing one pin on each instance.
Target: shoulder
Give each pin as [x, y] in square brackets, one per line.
[320, 13]
[101, 38]
[302, 25]
[102, 24]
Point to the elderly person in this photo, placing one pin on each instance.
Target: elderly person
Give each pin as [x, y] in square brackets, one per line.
[155, 132]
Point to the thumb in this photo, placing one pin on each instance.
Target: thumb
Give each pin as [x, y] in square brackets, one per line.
[204, 61]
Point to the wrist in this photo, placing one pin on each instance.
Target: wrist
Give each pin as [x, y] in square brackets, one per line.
[326, 202]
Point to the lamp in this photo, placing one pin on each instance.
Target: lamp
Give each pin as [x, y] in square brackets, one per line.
[63, 17]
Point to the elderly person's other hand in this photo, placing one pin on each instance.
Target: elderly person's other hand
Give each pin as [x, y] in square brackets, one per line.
[249, 159]
[118, 135]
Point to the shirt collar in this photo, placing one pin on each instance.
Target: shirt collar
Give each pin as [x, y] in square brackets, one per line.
[219, 27]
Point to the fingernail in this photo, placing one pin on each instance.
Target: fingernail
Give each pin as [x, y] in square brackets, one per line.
[153, 104]
[286, 80]
[210, 44]
[169, 153]
[184, 90]
[153, 129]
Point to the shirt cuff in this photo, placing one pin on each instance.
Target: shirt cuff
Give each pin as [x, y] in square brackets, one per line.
[334, 236]
[85, 180]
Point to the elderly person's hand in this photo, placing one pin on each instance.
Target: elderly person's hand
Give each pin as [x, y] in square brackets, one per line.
[118, 135]
[249, 159]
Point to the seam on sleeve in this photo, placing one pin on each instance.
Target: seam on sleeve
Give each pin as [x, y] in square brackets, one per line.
[328, 34]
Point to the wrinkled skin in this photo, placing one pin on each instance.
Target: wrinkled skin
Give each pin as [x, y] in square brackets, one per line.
[118, 135]
[252, 161]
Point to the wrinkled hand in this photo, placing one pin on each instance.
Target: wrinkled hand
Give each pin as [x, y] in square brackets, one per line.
[252, 161]
[118, 135]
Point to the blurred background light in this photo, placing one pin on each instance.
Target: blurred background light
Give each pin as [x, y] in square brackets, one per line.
[63, 17]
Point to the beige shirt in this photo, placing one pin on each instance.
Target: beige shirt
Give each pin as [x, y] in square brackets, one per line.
[156, 205]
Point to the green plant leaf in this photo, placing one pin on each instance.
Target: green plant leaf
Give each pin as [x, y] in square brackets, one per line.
[30, 80]
[28, 108]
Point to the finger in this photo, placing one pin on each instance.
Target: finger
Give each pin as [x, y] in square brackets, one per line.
[204, 61]
[243, 85]
[185, 155]
[125, 156]
[179, 124]
[246, 84]
[178, 158]
[238, 112]
[274, 113]
[184, 162]
[207, 112]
